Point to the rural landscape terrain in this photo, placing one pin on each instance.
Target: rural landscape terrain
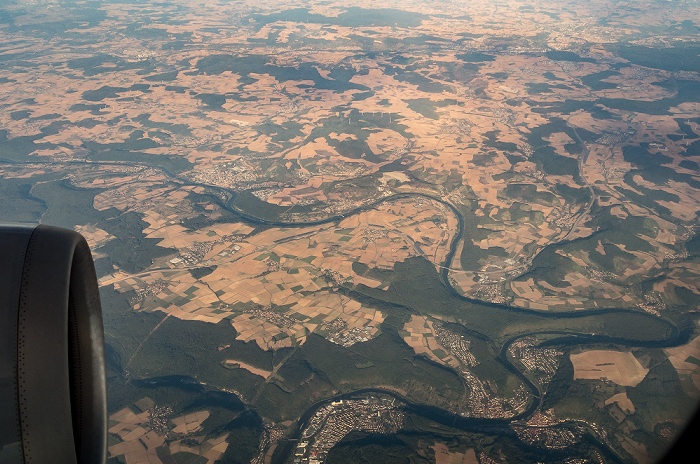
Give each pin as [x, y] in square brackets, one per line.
[344, 232]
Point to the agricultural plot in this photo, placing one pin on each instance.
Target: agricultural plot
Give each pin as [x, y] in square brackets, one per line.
[345, 196]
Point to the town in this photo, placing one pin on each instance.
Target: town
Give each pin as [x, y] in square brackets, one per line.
[332, 422]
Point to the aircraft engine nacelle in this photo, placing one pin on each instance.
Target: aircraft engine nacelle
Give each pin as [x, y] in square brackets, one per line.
[53, 406]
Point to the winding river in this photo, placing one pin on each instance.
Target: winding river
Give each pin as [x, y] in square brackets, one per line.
[499, 426]
[495, 426]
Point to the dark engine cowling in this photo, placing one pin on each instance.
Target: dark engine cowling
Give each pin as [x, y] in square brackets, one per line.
[53, 406]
